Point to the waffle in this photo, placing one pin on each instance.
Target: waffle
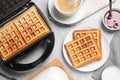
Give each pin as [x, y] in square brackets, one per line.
[10, 41]
[82, 51]
[21, 32]
[95, 33]
[31, 25]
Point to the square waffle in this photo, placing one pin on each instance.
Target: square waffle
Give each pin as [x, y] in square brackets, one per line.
[95, 33]
[82, 51]
[10, 41]
[21, 32]
[31, 25]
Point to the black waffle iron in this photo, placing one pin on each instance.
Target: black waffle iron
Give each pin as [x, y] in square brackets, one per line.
[9, 9]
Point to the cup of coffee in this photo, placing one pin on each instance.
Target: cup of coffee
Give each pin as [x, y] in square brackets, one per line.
[68, 7]
[111, 20]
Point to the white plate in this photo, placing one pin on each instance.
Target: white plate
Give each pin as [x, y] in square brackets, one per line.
[67, 20]
[94, 65]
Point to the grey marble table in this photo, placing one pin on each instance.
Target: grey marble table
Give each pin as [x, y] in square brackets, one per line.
[60, 33]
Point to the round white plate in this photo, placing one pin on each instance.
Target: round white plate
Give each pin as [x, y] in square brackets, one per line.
[67, 20]
[91, 66]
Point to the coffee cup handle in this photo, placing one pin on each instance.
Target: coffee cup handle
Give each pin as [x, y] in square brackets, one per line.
[15, 65]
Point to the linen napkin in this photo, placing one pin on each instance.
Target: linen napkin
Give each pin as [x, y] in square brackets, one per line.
[114, 57]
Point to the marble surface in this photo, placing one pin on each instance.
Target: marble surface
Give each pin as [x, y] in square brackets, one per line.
[60, 33]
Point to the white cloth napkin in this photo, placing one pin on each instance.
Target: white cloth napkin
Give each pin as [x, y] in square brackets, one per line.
[114, 57]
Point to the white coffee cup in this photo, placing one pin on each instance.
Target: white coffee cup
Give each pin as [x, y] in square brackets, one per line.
[68, 7]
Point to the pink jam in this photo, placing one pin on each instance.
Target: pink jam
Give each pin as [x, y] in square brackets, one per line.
[113, 20]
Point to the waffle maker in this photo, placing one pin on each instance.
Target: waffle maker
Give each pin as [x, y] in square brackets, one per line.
[10, 9]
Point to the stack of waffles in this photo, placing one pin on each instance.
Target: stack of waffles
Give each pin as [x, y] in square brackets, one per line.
[85, 47]
[21, 32]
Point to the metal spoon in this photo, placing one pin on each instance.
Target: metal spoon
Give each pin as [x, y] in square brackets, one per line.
[110, 11]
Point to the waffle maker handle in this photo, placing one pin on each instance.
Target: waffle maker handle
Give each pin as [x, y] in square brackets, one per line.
[13, 64]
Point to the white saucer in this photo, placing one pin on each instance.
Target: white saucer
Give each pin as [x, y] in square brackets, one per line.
[67, 20]
[94, 65]
[88, 8]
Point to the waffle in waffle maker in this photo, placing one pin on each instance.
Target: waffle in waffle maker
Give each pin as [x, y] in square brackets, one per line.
[22, 28]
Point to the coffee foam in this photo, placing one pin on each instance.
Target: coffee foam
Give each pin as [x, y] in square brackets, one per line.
[72, 3]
